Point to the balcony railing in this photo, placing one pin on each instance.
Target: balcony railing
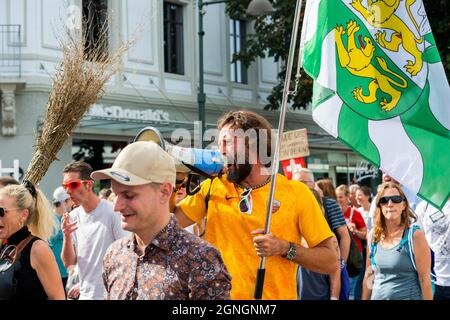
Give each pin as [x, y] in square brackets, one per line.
[10, 50]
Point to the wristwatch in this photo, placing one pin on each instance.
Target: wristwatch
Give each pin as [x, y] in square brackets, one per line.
[292, 252]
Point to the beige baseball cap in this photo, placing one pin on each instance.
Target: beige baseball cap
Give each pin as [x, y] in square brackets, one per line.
[140, 163]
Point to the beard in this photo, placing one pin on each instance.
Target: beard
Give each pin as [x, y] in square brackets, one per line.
[239, 172]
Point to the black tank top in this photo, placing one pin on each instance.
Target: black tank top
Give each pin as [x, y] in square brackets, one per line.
[29, 286]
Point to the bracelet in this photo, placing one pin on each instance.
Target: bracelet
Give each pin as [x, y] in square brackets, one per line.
[334, 298]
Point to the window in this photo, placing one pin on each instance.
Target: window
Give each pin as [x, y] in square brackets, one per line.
[173, 38]
[237, 39]
[95, 27]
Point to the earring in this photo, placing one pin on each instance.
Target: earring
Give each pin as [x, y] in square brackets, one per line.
[21, 222]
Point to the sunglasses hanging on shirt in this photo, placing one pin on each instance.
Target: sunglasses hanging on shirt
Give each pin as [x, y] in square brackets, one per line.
[245, 205]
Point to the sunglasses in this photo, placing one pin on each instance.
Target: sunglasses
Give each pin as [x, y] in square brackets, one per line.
[3, 211]
[394, 199]
[74, 184]
[245, 205]
[179, 186]
[8, 257]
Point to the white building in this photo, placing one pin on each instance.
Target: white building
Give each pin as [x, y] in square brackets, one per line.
[157, 87]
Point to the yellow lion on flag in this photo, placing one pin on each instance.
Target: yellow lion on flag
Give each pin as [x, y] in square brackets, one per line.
[381, 14]
[358, 61]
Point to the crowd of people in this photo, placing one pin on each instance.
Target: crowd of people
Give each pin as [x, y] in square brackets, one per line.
[145, 238]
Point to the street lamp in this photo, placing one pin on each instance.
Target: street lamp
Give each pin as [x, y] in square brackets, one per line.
[255, 8]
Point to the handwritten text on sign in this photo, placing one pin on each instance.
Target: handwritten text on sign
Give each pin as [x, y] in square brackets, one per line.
[294, 144]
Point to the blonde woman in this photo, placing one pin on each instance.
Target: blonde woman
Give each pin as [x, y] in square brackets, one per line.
[390, 272]
[26, 220]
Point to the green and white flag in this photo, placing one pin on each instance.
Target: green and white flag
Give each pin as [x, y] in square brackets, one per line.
[380, 87]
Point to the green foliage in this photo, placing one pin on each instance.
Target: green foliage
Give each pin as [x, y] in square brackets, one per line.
[438, 12]
[271, 38]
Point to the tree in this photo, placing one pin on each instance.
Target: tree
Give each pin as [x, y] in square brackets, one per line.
[272, 39]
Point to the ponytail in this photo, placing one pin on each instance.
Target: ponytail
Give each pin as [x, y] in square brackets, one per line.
[41, 222]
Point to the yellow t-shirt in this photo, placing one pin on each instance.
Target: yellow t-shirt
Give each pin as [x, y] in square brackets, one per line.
[229, 230]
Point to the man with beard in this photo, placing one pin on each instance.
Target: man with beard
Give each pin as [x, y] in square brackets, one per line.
[235, 209]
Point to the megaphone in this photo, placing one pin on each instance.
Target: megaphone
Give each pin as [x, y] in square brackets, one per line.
[203, 162]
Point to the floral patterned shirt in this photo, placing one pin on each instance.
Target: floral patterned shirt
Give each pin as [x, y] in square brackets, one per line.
[176, 265]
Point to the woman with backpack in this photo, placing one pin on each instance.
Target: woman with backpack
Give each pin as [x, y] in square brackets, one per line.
[398, 256]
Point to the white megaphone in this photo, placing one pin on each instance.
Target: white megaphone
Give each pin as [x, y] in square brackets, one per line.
[204, 162]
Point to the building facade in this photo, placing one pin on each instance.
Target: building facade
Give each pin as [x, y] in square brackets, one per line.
[157, 86]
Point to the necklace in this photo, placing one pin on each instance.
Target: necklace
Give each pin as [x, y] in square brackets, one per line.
[255, 187]
[394, 234]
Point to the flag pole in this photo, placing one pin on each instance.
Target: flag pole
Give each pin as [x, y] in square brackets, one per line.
[275, 162]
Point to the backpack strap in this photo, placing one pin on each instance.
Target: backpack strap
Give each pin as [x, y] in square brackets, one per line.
[373, 250]
[410, 243]
[404, 241]
[23, 244]
[14, 254]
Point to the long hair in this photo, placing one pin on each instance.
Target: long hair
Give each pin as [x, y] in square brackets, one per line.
[380, 222]
[40, 219]
[326, 185]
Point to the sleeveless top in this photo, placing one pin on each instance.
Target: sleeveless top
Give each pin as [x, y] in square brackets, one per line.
[395, 277]
[29, 286]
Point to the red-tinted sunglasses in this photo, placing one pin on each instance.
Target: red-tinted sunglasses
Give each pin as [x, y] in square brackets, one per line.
[73, 184]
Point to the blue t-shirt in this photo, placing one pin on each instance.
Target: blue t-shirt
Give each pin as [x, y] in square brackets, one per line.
[56, 243]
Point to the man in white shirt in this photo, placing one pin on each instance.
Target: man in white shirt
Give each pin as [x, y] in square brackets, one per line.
[88, 231]
[436, 225]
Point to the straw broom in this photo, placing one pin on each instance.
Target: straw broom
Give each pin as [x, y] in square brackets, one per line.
[77, 84]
